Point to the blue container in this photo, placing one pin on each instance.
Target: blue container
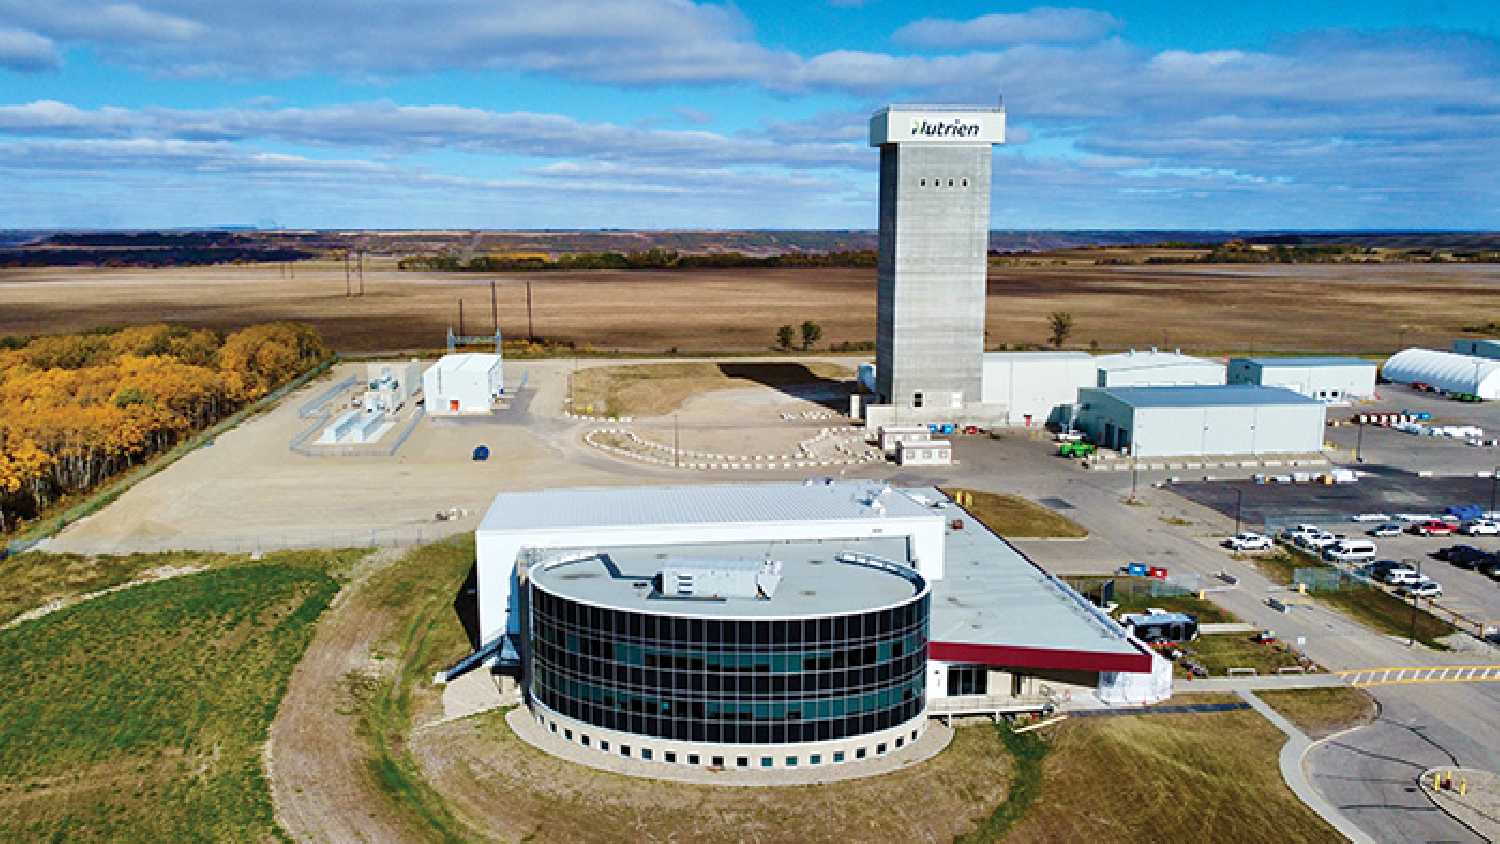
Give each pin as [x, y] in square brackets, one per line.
[948, 427]
[1138, 569]
[932, 427]
[482, 452]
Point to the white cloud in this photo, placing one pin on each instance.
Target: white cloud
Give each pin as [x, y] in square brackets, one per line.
[1044, 24]
[26, 51]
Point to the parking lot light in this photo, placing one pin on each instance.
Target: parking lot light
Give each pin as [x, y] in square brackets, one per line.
[1413, 595]
[1239, 502]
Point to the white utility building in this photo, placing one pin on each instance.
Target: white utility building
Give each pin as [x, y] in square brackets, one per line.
[1202, 420]
[1153, 368]
[463, 383]
[1036, 388]
[389, 386]
[1329, 379]
[1446, 371]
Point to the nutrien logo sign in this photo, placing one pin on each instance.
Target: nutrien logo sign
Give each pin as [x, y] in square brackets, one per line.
[955, 128]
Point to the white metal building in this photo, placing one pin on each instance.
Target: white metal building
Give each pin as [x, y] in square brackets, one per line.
[1446, 371]
[463, 383]
[929, 453]
[1202, 420]
[1036, 388]
[781, 625]
[1329, 379]
[1477, 348]
[1153, 368]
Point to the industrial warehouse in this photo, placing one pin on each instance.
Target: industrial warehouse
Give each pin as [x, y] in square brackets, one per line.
[780, 625]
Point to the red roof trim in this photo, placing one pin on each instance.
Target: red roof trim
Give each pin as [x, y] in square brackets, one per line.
[1016, 656]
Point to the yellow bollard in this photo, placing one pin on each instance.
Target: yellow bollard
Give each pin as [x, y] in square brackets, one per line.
[1202, 594]
[1302, 588]
[1463, 787]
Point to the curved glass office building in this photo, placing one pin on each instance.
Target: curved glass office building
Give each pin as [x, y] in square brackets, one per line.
[803, 656]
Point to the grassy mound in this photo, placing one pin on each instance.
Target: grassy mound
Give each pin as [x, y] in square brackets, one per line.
[140, 715]
[1014, 517]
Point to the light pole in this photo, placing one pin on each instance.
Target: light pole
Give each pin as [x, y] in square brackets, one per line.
[1239, 502]
[1359, 442]
[1494, 477]
[1413, 639]
[676, 444]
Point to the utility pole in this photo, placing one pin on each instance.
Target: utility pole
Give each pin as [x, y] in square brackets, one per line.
[460, 318]
[530, 325]
[361, 272]
[1413, 639]
[1359, 442]
[1239, 502]
[1135, 465]
[348, 287]
[1494, 477]
[494, 308]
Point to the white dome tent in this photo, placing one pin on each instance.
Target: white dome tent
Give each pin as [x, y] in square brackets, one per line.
[1445, 371]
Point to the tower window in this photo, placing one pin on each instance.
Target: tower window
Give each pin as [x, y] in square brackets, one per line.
[923, 183]
[964, 183]
[950, 183]
[916, 399]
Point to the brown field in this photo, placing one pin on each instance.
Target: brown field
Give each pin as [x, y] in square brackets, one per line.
[1353, 308]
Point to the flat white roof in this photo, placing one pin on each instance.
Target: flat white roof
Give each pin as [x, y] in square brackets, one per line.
[1149, 358]
[697, 504]
[480, 361]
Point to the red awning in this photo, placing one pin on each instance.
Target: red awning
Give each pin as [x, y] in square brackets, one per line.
[1015, 656]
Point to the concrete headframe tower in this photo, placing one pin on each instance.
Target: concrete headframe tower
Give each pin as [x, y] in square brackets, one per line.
[934, 240]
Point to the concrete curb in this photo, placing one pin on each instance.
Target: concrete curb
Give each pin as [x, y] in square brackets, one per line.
[1291, 757]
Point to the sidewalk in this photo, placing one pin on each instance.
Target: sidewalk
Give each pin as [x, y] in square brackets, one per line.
[1292, 754]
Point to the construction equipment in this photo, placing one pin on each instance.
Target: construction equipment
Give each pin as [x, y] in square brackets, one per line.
[1076, 449]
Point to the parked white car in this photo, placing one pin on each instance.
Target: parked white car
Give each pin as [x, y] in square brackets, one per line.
[1387, 529]
[1248, 541]
[1290, 534]
[1427, 589]
[1319, 541]
[1405, 577]
[1482, 527]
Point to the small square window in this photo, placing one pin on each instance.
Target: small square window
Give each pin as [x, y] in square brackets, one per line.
[950, 183]
[767, 762]
[646, 753]
[568, 734]
[670, 756]
[742, 761]
[838, 756]
[625, 749]
[923, 183]
[859, 753]
[815, 759]
[693, 759]
[913, 735]
[900, 741]
[554, 726]
[791, 761]
[604, 745]
[964, 182]
[584, 740]
[880, 749]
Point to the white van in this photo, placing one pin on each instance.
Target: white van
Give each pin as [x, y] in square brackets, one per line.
[1350, 551]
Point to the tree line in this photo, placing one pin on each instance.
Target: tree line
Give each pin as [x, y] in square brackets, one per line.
[651, 259]
[78, 409]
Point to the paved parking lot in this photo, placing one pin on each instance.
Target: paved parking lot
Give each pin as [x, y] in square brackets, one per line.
[1386, 447]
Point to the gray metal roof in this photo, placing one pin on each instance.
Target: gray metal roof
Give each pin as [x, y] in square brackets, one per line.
[1205, 395]
[1148, 359]
[992, 595]
[814, 582]
[698, 504]
[1307, 361]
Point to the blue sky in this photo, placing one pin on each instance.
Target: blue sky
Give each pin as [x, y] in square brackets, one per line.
[669, 113]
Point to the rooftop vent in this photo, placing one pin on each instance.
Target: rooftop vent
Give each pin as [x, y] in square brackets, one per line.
[721, 580]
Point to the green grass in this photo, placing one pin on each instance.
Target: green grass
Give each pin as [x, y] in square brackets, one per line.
[1382, 611]
[418, 593]
[141, 715]
[1322, 712]
[1015, 517]
[1027, 751]
[1161, 777]
[1132, 594]
[1222, 651]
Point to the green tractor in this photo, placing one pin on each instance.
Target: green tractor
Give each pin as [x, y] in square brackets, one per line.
[1076, 449]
